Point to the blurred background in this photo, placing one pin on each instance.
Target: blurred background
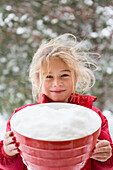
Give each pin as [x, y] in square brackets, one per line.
[26, 24]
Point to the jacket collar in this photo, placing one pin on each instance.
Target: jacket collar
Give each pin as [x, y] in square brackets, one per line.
[83, 100]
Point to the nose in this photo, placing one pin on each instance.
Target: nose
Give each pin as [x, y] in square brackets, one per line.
[57, 82]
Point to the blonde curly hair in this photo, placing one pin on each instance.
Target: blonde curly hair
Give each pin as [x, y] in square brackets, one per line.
[69, 51]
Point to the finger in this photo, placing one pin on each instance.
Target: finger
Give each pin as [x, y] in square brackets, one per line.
[9, 140]
[102, 143]
[12, 146]
[101, 159]
[8, 134]
[106, 149]
[102, 154]
[14, 152]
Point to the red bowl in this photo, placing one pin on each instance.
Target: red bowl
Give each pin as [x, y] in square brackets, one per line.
[55, 162]
[66, 155]
[73, 167]
[56, 155]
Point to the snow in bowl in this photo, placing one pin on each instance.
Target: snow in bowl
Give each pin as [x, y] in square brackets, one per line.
[56, 136]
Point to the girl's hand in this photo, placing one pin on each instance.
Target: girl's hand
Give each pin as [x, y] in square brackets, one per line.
[10, 145]
[102, 151]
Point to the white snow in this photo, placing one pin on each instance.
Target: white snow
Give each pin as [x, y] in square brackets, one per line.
[8, 8]
[109, 70]
[105, 32]
[55, 121]
[1, 20]
[109, 117]
[3, 121]
[94, 34]
[20, 30]
[88, 2]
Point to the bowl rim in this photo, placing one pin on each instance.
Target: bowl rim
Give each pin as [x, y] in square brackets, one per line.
[59, 141]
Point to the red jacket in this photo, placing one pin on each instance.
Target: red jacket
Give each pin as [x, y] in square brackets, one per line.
[16, 163]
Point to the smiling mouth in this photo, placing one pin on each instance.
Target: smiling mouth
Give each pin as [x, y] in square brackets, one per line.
[57, 91]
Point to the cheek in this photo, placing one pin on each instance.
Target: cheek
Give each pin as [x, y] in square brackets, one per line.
[45, 86]
[70, 84]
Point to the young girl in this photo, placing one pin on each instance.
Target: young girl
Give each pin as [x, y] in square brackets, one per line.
[58, 69]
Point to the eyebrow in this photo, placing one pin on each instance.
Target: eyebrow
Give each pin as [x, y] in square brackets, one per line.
[62, 71]
[66, 70]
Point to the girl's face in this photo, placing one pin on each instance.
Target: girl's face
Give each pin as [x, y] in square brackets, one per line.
[58, 84]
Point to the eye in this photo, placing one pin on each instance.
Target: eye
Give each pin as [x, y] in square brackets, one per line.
[64, 75]
[49, 76]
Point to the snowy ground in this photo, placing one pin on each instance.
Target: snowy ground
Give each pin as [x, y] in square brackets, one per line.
[3, 121]
[109, 116]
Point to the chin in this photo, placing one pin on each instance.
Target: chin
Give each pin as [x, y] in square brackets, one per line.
[60, 100]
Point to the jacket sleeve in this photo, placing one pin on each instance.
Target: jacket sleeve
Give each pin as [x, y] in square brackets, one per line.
[104, 135]
[10, 162]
